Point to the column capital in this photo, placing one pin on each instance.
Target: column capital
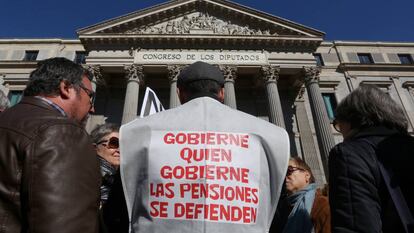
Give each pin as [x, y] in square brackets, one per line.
[174, 71]
[95, 70]
[229, 72]
[134, 73]
[270, 73]
[311, 74]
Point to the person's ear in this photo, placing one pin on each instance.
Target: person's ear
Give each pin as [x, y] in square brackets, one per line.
[65, 90]
[307, 177]
[220, 95]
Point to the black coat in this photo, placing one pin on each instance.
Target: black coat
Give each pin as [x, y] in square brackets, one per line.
[359, 198]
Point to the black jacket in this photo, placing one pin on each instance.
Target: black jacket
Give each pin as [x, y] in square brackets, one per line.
[49, 173]
[359, 198]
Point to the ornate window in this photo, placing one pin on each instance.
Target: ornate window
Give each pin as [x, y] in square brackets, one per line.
[365, 58]
[30, 55]
[80, 57]
[15, 97]
[405, 59]
[319, 60]
[330, 104]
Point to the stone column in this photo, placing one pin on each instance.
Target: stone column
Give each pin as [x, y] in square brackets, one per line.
[270, 75]
[173, 72]
[135, 76]
[320, 116]
[229, 73]
[309, 152]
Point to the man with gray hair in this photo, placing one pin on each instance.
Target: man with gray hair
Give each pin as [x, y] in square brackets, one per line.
[203, 166]
[50, 175]
[4, 101]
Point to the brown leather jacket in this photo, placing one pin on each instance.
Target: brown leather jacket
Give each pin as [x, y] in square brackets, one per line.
[49, 173]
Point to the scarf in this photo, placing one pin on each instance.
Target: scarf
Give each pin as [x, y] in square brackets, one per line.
[299, 220]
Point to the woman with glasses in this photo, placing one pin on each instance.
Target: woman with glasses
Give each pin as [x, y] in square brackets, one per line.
[304, 209]
[106, 141]
[376, 143]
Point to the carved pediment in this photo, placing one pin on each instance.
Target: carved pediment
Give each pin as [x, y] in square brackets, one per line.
[192, 23]
[199, 23]
[201, 17]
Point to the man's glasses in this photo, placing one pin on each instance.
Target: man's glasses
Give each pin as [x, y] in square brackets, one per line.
[112, 143]
[292, 169]
[90, 93]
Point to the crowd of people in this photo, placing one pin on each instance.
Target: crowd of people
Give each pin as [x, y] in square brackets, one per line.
[55, 177]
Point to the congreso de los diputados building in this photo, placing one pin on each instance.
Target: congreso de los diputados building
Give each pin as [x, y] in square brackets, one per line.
[275, 69]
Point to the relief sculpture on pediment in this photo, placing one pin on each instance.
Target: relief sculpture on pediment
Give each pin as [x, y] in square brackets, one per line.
[199, 23]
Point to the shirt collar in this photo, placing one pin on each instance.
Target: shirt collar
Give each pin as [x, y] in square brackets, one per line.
[53, 105]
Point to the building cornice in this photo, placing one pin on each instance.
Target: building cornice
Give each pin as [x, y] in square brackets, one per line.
[40, 41]
[372, 43]
[18, 64]
[375, 67]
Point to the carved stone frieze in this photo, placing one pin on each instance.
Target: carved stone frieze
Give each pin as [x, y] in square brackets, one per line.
[270, 73]
[135, 73]
[311, 74]
[229, 73]
[200, 23]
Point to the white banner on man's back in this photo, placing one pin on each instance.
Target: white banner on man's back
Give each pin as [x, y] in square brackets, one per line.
[204, 176]
[151, 104]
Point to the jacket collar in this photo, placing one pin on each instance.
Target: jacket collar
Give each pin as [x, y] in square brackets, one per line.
[39, 103]
[375, 131]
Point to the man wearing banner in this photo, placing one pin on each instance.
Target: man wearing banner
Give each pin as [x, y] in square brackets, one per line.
[202, 167]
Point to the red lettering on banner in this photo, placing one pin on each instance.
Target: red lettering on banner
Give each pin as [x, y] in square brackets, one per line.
[215, 212]
[216, 192]
[208, 179]
[207, 154]
[160, 190]
[209, 172]
[159, 209]
[208, 138]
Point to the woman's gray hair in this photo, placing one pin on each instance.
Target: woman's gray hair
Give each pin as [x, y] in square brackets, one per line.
[101, 131]
[368, 106]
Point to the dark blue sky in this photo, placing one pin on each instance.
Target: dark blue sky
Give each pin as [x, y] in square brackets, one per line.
[367, 20]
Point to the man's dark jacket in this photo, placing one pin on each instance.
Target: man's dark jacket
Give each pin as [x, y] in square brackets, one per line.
[359, 199]
[49, 173]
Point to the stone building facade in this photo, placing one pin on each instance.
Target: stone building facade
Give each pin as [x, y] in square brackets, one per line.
[275, 69]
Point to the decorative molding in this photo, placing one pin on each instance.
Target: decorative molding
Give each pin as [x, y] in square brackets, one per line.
[95, 70]
[200, 24]
[174, 71]
[311, 74]
[229, 73]
[270, 73]
[135, 73]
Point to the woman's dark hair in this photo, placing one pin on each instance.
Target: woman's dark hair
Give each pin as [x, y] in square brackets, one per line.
[101, 131]
[368, 106]
[46, 78]
[301, 164]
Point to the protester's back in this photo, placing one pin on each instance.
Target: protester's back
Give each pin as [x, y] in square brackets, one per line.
[166, 188]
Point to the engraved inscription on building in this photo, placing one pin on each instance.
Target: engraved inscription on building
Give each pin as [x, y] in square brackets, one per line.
[213, 57]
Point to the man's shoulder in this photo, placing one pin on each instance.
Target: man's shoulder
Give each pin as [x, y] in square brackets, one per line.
[31, 120]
